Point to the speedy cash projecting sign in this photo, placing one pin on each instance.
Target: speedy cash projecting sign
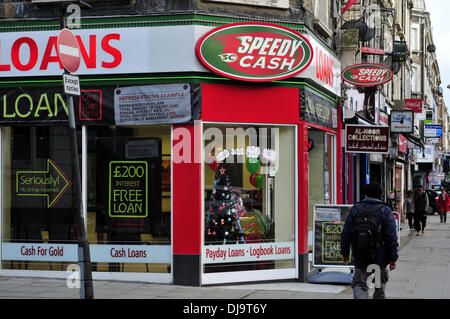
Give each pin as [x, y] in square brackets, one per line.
[367, 74]
[253, 51]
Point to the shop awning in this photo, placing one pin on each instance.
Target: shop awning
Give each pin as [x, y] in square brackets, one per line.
[414, 139]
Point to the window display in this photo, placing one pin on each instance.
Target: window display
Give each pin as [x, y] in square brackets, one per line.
[39, 221]
[128, 194]
[249, 198]
[128, 217]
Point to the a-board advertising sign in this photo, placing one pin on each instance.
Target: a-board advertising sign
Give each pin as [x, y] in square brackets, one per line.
[254, 51]
[329, 221]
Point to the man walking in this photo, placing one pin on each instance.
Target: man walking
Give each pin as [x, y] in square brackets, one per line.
[420, 206]
[370, 230]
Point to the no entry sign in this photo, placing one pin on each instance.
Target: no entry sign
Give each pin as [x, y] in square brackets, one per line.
[68, 50]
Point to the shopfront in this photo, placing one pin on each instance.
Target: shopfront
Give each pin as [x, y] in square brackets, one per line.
[186, 179]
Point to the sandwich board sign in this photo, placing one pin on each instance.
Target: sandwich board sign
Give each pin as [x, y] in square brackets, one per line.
[329, 221]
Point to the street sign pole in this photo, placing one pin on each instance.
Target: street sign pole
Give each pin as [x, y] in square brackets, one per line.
[84, 259]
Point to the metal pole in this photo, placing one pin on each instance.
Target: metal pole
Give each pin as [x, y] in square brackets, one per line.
[84, 258]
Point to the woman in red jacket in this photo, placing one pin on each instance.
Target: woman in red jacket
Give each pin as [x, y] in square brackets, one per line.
[444, 202]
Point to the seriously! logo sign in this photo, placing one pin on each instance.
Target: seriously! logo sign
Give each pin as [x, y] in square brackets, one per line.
[254, 51]
[367, 74]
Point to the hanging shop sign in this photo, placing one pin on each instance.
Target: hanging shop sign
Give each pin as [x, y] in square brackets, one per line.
[366, 139]
[317, 110]
[254, 51]
[367, 74]
[415, 105]
[425, 155]
[329, 221]
[402, 144]
[432, 130]
[106, 105]
[402, 122]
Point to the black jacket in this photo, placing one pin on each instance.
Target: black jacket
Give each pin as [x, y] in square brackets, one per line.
[389, 245]
[420, 201]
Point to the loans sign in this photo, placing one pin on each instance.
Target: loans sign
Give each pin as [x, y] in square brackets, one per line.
[128, 189]
[254, 51]
[367, 74]
[329, 221]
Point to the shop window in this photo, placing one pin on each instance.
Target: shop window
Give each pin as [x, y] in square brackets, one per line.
[249, 192]
[321, 163]
[39, 230]
[128, 195]
[129, 211]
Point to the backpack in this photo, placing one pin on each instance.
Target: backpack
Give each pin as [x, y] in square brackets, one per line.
[366, 232]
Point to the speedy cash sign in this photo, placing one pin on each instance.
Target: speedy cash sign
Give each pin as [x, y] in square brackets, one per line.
[254, 51]
[367, 74]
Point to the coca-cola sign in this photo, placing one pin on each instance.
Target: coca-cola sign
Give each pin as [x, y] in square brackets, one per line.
[254, 51]
[367, 74]
[414, 105]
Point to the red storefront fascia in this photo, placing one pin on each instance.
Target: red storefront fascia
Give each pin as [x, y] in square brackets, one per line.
[239, 103]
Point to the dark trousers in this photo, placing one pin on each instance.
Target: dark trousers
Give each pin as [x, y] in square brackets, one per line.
[443, 215]
[410, 218]
[420, 220]
[360, 284]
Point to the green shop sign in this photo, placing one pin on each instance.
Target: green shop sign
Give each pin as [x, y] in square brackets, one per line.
[254, 51]
[367, 74]
[51, 183]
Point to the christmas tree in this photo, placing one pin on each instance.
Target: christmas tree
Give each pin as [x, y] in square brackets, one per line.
[222, 221]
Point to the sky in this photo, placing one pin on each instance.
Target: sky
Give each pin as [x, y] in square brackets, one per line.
[440, 22]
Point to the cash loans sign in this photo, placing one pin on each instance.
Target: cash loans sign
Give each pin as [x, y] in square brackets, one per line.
[254, 51]
[367, 74]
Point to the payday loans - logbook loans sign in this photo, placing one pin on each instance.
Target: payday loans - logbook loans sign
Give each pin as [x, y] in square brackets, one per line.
[254, 51]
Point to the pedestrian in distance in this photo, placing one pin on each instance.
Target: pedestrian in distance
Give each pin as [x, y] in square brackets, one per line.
[420, 214]
[409, 208]
[371, 233]
[444, 202]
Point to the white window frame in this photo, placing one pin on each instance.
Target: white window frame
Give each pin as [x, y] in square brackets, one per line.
[252, 275]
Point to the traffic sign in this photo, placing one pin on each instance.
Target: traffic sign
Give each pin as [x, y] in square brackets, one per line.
[68, 50]
[71, 84]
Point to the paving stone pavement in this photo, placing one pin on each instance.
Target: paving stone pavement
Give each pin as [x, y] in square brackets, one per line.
[423, 272]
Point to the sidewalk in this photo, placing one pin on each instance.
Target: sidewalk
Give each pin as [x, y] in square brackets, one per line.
[423, 271]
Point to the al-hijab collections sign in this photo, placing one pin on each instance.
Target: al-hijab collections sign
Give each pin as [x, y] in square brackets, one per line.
[254, 51]
[367, 74]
